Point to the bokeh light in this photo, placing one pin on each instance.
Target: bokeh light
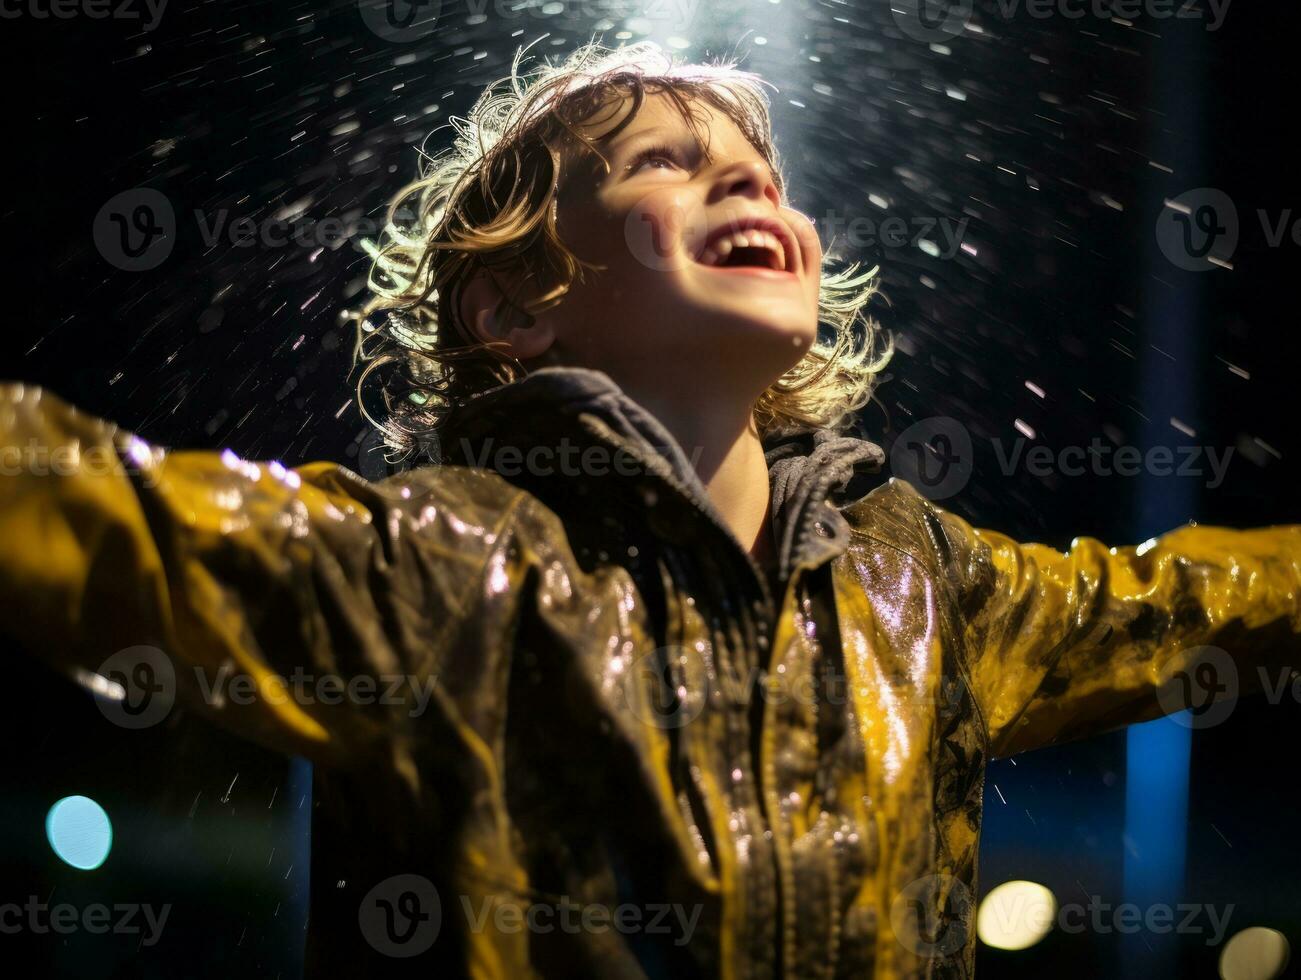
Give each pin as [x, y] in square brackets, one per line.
[1016, 915]
[79, 831]
[1256, 953]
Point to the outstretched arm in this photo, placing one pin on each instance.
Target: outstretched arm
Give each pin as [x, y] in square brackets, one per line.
[304, 608]
[1066, 644]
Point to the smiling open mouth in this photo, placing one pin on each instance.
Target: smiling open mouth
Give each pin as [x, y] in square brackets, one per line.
[761, 245]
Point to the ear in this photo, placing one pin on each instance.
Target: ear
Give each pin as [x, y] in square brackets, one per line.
[491, 317]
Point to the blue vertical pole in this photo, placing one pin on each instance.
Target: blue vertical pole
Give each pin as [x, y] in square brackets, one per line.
[1159, 752]
[300, 881]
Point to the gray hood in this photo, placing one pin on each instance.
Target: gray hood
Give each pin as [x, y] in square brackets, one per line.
[813, 475]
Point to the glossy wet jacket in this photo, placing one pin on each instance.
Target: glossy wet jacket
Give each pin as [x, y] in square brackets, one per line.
[642, 754]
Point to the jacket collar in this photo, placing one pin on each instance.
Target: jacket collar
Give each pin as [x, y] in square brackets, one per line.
[813, 474]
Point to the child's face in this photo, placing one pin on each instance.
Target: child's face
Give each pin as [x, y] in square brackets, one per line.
[705, 272]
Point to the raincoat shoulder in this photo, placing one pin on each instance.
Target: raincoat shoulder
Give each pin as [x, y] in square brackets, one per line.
[290, 580]
[1058, 644]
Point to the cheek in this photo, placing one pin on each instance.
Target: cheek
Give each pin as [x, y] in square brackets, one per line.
[664, 230]
[810, 254]
[807, 236]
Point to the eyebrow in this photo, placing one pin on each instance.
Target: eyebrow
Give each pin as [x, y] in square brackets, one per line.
[609, 147]
[623, 138]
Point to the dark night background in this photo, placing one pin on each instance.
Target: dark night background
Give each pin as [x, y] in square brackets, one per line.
[1058, 139]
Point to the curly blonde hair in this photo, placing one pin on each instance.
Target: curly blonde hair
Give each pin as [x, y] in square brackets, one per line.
[487, 204]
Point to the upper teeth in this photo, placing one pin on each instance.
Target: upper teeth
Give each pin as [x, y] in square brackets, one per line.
[721, 248]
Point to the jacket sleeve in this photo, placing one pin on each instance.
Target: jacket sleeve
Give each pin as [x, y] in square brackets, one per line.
[306, 609]
[1062, 645]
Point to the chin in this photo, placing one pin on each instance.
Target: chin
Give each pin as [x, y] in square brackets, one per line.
[757, 311]
[771, 319]
[776, 342]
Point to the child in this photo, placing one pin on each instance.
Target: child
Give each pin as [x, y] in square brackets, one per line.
[669, 692]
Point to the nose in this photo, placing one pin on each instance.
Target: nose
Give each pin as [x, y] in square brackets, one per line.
[748, 179]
